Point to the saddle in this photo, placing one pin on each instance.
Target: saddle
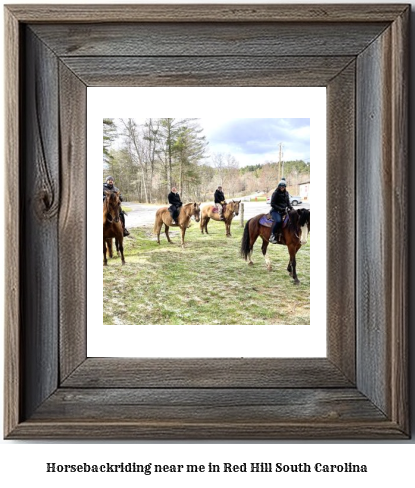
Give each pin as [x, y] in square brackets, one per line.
[267, 221]
[173, 209]
[215, 208]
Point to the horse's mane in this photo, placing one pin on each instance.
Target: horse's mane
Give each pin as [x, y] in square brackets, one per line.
[292, 224]
[304, 217]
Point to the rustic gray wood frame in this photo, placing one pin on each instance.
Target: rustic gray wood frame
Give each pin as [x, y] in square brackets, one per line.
[360, 53]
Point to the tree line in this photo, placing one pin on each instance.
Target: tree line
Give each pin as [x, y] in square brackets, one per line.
[147, 159]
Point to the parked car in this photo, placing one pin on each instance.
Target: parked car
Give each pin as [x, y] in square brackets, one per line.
[294, 200]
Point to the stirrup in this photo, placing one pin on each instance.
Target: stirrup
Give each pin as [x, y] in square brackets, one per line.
[273, 239]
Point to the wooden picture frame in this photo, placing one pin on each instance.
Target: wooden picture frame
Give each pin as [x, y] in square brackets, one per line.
[360, 53]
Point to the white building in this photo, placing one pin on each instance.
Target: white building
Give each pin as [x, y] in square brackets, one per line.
[305, 191]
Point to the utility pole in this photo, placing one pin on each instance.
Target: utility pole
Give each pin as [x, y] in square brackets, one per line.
[281, 164]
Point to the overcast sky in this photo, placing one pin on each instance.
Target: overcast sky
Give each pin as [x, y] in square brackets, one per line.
[256, 141]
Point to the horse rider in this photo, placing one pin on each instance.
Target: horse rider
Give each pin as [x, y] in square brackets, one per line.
[280, 202]
[175, 204]
[219, 198]
[109, 186]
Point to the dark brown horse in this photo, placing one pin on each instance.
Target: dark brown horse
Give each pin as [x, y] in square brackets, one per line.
[112, 223]
[294, 235]
[208, 212]
[186, 212]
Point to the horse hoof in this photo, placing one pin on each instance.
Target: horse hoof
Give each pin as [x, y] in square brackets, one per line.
[296, 282]
[250, 263]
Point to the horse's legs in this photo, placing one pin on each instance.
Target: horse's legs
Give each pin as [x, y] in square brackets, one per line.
[264, 248]
[203, 224]
[121, 247]
[109, 247]
[293, 264]
[228, 229]
[105, 254]
[183, 229]
[252, 239]
[166, 231]
[157, 229]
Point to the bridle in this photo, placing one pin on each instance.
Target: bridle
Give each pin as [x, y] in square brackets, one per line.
[110, 218]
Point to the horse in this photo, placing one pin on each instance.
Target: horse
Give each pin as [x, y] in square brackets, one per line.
[294, 235]
[186, 212]
[208, 212]
[112, 225]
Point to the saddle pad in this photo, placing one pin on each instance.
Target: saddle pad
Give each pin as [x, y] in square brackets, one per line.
[215, 209]
[266, 222]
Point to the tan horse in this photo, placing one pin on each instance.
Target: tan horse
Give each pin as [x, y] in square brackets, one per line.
[231, 209]
[112, 224]
[186, 212]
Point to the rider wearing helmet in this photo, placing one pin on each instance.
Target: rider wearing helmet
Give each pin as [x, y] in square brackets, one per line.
[109, 186]
[280, 202]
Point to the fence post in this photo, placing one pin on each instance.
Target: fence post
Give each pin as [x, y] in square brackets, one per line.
[242, 214]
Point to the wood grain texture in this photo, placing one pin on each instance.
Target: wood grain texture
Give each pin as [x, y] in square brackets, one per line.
[13, 383]
[206, 373]
[374, 190]
[207, 71]
[188, 430]
[210, 405]
[183, 39]
[400, 257]
[72, 222]
[39, 218]
[341, 310]
[207, 13]
[382, 249]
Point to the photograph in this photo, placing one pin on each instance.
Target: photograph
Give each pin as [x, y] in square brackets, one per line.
[189, 204]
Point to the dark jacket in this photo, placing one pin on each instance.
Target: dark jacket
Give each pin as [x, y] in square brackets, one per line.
[174, 199]
[280, 200]
[111, 188]
[219, 196]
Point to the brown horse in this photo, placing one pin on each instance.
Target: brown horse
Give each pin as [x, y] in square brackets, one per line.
[186, 212]
[112, 224]
[208, 212]
[294, 235]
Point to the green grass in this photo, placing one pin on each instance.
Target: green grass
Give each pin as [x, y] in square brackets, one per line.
[206, 283]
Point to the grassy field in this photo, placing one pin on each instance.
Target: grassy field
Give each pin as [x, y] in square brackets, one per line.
[206, 283]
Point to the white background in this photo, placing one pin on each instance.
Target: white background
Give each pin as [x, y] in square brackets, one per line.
[308, 340]
[23, 463]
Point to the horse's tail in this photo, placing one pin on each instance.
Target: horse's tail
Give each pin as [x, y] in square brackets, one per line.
[246, 242]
